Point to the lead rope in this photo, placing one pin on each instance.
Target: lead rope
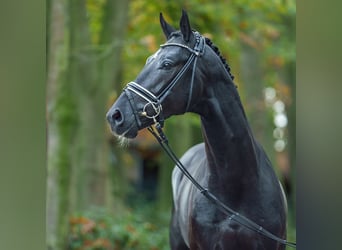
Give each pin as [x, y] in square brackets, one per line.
[157, 131]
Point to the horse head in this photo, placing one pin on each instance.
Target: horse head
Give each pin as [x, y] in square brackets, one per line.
[169, 83]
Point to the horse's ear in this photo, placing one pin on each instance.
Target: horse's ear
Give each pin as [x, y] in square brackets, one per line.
[185, 26]
[167, 28]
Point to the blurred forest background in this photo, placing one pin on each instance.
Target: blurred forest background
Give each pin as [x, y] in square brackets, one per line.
[103, 196]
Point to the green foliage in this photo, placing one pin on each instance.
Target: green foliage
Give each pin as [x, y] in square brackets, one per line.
[99, 230]
[267, 26]
[95, 15]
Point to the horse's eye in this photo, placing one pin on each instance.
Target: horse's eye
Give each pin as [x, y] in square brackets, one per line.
[167, 64]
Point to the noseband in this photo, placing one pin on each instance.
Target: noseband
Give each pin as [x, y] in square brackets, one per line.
[155, 101]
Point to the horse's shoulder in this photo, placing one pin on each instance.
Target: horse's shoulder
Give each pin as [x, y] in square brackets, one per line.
[182, 189]
[194, 153]
[193, 160]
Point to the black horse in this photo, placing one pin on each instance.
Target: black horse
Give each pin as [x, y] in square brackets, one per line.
[187, 74]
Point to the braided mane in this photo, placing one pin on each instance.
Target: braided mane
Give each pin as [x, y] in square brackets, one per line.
[213, 47]
[217, 51]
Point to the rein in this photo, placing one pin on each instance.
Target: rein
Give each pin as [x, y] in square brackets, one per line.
[157, 132]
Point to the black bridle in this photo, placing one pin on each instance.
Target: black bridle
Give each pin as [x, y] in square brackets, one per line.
[157, 132]
[155, 101]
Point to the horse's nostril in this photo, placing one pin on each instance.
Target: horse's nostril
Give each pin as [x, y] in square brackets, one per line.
[117, 117]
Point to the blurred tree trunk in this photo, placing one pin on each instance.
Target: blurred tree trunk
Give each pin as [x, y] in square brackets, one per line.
[115, 23]
[78, 85]
[86, 173]
[60, 119]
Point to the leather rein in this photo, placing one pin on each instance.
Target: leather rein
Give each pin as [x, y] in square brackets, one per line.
[156, 130]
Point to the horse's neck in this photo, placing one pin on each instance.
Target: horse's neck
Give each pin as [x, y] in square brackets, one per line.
[230, 146]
